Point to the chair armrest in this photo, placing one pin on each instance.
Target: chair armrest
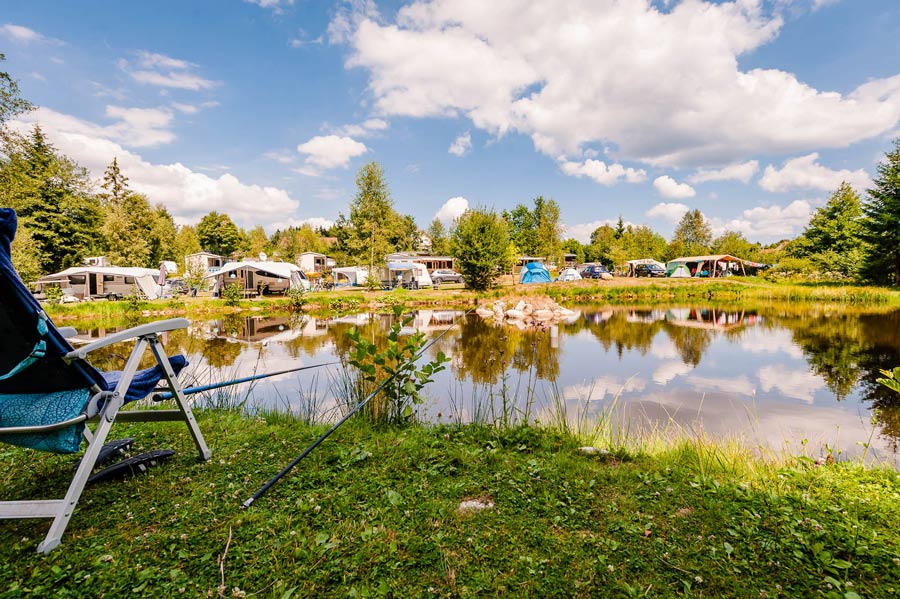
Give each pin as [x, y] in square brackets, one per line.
[67, 332]
[159, 326]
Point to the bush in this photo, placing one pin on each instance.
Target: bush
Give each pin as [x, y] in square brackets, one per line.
[232, 294]
[481, 246]
[296, 299]
[397, 366]
[54, 294]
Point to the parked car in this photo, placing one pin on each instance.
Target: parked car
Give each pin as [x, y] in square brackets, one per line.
[649, 270]
[594, 271]
[445, 276]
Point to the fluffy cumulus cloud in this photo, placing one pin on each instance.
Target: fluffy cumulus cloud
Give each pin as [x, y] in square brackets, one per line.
[331, 151]
[164, 71]
[600, 70]
[805, 172]
[742, 172]
[132, 127]
[668, 211]
[768, 222]
[187, 194]
[601, 173]
[794, 383]
[461, 145]
[668, 187]
[452, 209]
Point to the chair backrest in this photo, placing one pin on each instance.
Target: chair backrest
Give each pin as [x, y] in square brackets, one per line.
[21, 332]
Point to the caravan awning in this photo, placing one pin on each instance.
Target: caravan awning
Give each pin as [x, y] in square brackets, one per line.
[401, 266]
[276, 269]
[717, 258]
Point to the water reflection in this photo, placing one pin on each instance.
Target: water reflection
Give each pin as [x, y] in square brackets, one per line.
[783, 372]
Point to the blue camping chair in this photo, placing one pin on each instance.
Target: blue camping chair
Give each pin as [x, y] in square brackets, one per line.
[49, 391]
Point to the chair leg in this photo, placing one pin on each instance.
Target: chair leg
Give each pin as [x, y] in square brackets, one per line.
[107, 418]
[76, 487]
[185, 407]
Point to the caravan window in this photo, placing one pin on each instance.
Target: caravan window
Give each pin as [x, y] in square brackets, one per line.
[109, 278]
[76, 279]
[129, 280]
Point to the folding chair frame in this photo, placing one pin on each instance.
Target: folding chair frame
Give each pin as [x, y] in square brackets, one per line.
[104, 408]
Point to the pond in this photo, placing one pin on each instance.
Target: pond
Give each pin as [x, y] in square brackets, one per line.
[786, 376]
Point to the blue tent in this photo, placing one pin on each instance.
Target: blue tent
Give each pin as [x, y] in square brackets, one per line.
[534, 272]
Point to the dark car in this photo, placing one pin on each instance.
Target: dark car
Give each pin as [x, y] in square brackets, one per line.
[441, 276]
[594, 271]
[649, 270]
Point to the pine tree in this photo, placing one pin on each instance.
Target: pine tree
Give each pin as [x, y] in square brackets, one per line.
[881, 225]
[115, 184]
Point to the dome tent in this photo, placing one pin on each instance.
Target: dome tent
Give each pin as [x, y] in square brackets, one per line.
[534, 272]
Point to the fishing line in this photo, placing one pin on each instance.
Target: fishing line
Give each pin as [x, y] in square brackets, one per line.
[355, 409]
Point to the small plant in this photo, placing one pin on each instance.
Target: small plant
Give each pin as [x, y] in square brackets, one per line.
[133, 302]
[343, 303]
[54, 294]
[891, 379]
[397, 366]
[296, 299]
[232, 294]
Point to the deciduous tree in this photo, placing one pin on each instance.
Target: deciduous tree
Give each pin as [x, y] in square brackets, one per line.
[693, 234]
[481, 247]
[218, 234]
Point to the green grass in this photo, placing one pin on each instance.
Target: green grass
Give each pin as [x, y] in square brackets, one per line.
[373, 513]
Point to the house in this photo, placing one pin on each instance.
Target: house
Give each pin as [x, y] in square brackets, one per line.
[208, 261]
[315, 262]
[430, 262]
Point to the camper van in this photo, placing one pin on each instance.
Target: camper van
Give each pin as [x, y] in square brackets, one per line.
[101, 282]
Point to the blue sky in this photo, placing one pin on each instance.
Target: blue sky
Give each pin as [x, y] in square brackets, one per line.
[753, 111]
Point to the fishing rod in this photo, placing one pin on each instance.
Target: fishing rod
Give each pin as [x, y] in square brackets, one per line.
[255, 377]
[262, 490]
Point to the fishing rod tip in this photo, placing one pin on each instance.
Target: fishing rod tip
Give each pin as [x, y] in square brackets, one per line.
[247, 503]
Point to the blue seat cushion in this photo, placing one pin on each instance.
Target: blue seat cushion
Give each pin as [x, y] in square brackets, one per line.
[39, 409]
[144, 381]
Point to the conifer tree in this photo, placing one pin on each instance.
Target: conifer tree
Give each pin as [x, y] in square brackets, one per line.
[881, 225]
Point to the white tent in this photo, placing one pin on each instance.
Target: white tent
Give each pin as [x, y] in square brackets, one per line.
[350, 275]
[569, 274]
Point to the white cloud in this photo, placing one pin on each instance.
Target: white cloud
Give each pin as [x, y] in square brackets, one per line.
[188, 195]
[452, 209]
[600, 387]
[364, 129]
[275, 5]
[817, 4]
[461, 144]
[165, 71]
[133, 127]
[796, 384]
[763, 341]
[668, 211]
[668, 371]
[601, 173]
[742, 172]
[668, 187]
[805, 172]
[740, 384]
[770, 222]
[24, 35]
[331, 151]
[600, 71]
[316, 222]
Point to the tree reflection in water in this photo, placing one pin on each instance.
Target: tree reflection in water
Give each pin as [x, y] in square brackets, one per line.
[846, 347]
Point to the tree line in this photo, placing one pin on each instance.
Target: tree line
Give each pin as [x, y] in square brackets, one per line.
[64, 218]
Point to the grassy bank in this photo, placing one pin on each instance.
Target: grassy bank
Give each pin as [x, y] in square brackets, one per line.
[373, 513]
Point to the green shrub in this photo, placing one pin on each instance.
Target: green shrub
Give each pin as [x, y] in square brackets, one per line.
[296, 299]
[396, 365]
[54, 294]
[232, 294]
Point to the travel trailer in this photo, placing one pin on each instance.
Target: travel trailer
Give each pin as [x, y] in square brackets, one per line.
[102, 282]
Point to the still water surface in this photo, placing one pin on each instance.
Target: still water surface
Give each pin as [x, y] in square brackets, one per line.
[775, 374]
